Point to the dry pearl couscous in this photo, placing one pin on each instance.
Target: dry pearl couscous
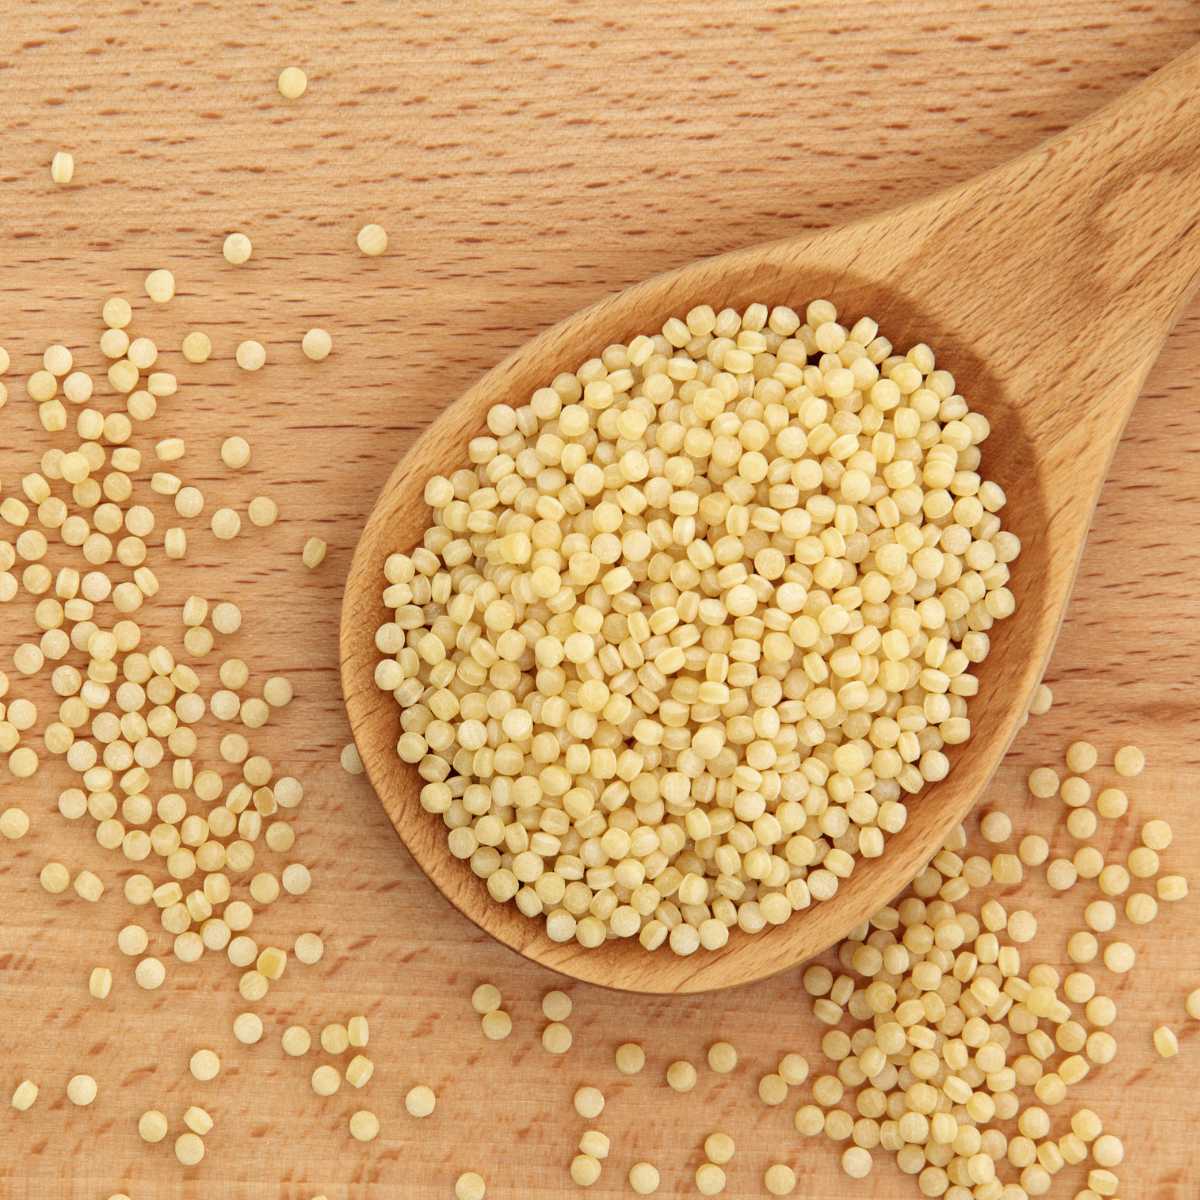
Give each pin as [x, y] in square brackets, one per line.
[692, 623]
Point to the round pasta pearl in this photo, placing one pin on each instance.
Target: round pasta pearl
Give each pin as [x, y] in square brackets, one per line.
[630, 1058]
[372, 240]
[722, 1057]
[420, 1101]
[316, 344]
[644, 1178]
[292, 83]
[237, 249]
[81, 1090]
[681, 1076]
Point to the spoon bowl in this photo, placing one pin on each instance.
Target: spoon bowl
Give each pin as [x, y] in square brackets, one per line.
[1046, 286]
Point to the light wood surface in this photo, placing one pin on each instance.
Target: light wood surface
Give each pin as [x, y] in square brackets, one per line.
[527, 161]
[1019, 241]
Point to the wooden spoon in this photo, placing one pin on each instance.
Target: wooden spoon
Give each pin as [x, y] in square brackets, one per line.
[1047, 287]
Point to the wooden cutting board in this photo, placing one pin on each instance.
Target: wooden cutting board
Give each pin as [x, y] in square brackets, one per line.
[526, 158]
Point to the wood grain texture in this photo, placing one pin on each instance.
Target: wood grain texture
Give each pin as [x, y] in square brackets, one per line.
[527, 159]
[1093, 233]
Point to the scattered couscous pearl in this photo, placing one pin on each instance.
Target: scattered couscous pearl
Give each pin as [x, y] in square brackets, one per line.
[204, 1065]
[1129, 761]
[350, 759]
[359, 1071]
[326, 1080]
[486, 998]
[149, 973]
[1156, 835]
[250, 355]
[235, 452]
[1192, 1004]
[469, 1186]
[722, 1057]
[62, 167]
[584, 1170]
[316, 344]
[420, 1101]
[100, 983]
[335, 1038]
[237, 249]
[197, 347]
[779, 1179]
[995, 827]
[189, 1149]
[589, 1102]
[556, 1038]
[644, 1178]
[198, 1120]
[55, 878]
[14, 823]
[372, 240]
[1119, 957]
[24, 1095]
[296, 1041]
[152, 1126]
[681, 1076]
[358, 1031]
[793, 1069]
[308, 949]
[556, 1006]
[630, 1058]
[496, 1025]
[292, 82]
[1165, 1042]
[1081, 757]
[595, 1143]
[88, 886]
[857, 1162]
[710, 1179]
[1043, 782]
[772, 1090]
[719, 1148]
[313, 553]
[248, 1028]
[226, 524]
[160, 286]
[81, 1090]
[262, 511]
[1043, 699]
[1171, 887]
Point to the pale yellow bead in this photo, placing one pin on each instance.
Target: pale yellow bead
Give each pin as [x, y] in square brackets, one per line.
[722, 1057]
[160, 286]
[1129, 761]
[1165, 1042]
[152, 1126]
[470, 1186]
[372, 240]
[292, 83]
[326, 1080]
[237, 249]
[313, 553]
[204, 1065]
[643, 1179]
[24, 1095]
[250, 355]
[496, 1025]
[420, 1101]
[556, 1038]
[316, 344]
[189, 1149]
[197, 347]
[630, 1058]
[296, 1041]
[81, 1090]
[681, 1076]
[62, 167]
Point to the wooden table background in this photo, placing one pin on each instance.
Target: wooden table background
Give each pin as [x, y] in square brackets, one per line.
[526, 158]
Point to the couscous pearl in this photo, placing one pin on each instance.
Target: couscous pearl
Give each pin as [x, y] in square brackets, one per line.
[372, 240]
[292, 83]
